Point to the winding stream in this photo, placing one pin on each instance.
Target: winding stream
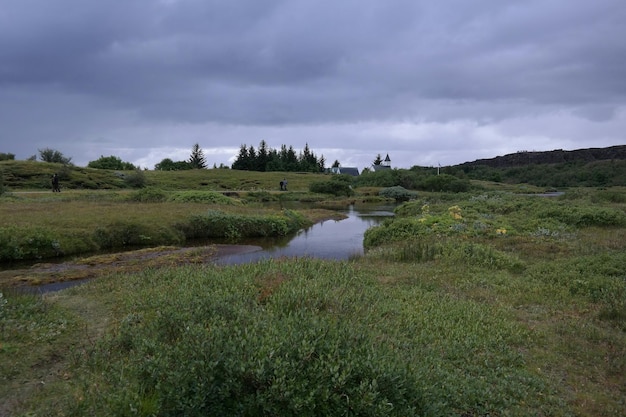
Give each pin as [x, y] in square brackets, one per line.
[331, 239]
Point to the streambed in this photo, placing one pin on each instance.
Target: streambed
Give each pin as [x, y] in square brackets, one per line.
[329, 239]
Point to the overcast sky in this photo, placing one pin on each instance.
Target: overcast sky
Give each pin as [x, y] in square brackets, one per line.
[427, 82]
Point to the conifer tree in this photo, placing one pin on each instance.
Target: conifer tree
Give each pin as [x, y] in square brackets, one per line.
[197, 159]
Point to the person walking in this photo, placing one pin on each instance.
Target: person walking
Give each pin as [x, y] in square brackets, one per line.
[55, 184]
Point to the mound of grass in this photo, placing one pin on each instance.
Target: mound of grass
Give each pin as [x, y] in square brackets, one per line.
[234, 226]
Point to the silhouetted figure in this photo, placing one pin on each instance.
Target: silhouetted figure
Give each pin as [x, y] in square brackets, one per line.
[55, 184]
[282, 186]
[284, 183]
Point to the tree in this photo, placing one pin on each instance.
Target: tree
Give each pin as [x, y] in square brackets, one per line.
[268, 159]
[111, 162]
[321, 164]
[197, 159]
[7, 156]
[262, 157]
[243, 159]
[51, 155]
[378, 160]
[336, 164]
[168, 165]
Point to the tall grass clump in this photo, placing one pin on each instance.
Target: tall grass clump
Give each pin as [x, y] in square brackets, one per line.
[481, 255]
[217, 224]
[410, 250]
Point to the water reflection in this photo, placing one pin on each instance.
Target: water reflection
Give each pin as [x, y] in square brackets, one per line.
[331, 239]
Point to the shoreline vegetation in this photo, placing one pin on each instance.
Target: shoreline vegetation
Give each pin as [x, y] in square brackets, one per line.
[483, 302]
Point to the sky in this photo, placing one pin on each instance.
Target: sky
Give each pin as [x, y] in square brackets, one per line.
[427, 82]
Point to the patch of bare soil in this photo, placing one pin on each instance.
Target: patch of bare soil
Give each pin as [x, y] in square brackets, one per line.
[92, 267]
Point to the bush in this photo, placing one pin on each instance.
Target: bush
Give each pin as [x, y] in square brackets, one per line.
[27, 243]
[397, 193]
[148, 195]
[125, 234]
[583, 216]
[337, 186]
[217, 224]
[384, 178]
[210, 197]
[135, 179]
[444, 183]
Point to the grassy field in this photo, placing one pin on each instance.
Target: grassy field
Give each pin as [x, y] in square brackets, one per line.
[474, 304]
[32, 175]
[40, 226]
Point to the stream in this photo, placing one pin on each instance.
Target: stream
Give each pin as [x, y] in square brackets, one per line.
[329, 239]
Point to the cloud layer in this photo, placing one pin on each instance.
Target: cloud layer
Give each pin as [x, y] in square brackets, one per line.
[427, 82]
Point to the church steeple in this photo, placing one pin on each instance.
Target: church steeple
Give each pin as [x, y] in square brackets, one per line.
[387, 161]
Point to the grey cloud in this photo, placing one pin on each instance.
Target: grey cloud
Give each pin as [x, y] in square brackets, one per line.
[82, 66]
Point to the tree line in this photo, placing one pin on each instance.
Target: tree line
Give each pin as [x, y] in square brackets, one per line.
[285, 159]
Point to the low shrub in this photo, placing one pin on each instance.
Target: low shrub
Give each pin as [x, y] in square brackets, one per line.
[260, 196]
[123, 234]
[148, 195]
[444, 183]
[338, 185]
[583, 216]
[18, 243]
[135, 179]
[209, 197]
[397, 193]
[610, 196]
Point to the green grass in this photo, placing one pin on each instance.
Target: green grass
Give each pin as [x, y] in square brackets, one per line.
[32, 175]
[36, 227]
[299, 337]
[493, 304]
[446, 335]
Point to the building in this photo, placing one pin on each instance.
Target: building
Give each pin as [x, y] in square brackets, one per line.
[385, 164]
[345, 170]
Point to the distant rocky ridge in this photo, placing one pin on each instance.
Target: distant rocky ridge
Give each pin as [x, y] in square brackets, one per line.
[552, 157]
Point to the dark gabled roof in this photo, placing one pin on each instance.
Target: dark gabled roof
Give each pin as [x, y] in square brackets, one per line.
[349, 171]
